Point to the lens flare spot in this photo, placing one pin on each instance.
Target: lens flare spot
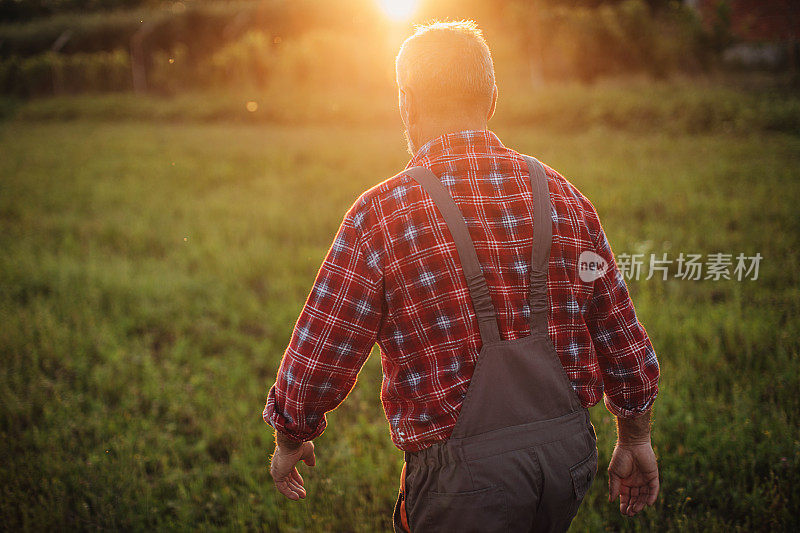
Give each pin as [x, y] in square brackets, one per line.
[398, 9]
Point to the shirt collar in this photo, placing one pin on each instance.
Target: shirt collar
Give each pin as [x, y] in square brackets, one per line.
[457, 143]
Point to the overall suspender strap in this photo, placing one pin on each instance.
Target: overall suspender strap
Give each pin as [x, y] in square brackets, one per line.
[540, 255]
[542, 239]
[478, 290]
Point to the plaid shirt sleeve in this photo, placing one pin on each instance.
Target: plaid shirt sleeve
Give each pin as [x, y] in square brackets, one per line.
[627, 360]
[332, 337]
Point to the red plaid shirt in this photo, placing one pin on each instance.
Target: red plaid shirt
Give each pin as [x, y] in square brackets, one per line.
[392, 275]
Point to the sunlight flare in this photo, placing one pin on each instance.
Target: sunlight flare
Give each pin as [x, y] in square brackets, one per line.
[398, 9]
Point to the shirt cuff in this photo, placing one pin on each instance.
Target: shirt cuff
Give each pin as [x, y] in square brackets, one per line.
[281, 432]
[279, 423]
[622, 412]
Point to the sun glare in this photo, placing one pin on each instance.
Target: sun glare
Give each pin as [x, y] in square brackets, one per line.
[398, 9]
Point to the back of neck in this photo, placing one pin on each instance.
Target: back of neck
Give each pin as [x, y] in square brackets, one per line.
[436, 128]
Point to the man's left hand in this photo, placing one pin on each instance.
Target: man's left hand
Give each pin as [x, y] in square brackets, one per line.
[283, 467]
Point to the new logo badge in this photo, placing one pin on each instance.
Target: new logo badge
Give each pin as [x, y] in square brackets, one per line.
[591, 266]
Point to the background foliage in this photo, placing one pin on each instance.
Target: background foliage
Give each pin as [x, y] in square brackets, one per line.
[309, 39]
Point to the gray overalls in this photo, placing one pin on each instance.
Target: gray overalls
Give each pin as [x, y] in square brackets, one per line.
[523, 451]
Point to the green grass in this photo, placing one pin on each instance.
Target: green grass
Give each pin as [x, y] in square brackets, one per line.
[151, 274]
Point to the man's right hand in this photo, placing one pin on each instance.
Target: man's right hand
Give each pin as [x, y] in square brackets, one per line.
[633, 476]
[283, 467]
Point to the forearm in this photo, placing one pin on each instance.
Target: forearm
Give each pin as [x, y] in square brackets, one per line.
[331, 340]
[631, 431]
[626, 357]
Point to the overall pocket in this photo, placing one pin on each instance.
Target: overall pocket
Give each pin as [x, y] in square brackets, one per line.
[481, 510]
[582, 475]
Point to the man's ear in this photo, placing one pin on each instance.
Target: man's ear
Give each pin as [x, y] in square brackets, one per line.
[407, 110]
[494, 104]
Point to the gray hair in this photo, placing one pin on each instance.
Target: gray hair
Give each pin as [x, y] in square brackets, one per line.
[447, 66]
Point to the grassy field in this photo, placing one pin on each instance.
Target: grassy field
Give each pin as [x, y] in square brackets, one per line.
[151, 274]
[733, 105]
